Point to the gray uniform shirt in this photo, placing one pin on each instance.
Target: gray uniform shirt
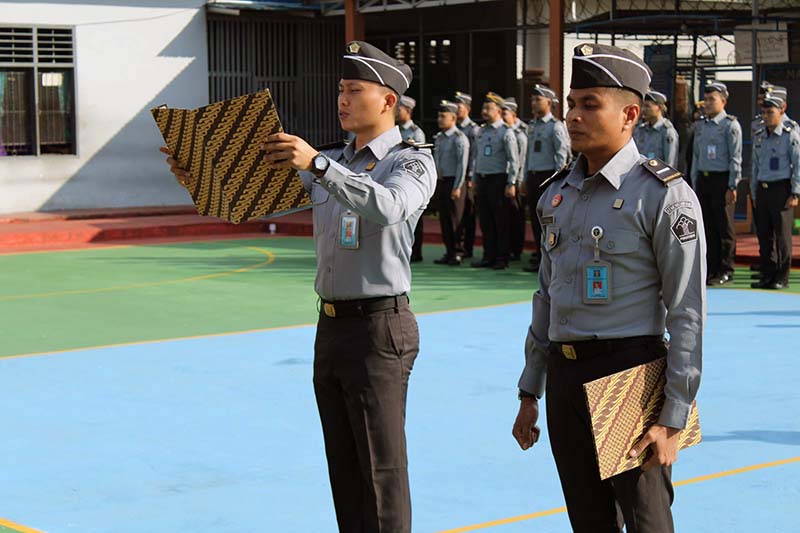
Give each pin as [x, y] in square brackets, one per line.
[548, 144]
[776, 156]
[718, 147]
[389, 199]
[412, 132]
[758, 123]
[496, 151]
[451, 154]
[521, 132]
[655, 243]
[469, 128]
[659, 141]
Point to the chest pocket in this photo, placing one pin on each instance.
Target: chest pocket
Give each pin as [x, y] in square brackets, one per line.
[551, 235]
[617, 242]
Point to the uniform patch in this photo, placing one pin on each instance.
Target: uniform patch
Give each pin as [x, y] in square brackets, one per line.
[677, 205]
[415, 167]
[685, 228]
[556, 201]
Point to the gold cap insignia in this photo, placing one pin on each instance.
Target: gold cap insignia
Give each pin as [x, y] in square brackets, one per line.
[587, 50]
[653, 163]
[353, 48]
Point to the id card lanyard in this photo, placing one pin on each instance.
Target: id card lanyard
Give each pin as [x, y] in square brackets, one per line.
[597, 275]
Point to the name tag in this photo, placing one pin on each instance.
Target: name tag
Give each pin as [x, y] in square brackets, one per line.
[711, 151]
[348, 231]
[774, 163]
[487, 150]
[597, 282]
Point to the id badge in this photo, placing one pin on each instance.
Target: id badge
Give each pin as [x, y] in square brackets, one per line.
[487, 150]
[711, 151]
[597, 282]
[348, 231]
[651, 155]
[537, 146]
[774, 163]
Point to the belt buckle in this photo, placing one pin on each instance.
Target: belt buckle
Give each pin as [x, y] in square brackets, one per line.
[705, 173]
[569, 351]
[764, 185]
[329, 310]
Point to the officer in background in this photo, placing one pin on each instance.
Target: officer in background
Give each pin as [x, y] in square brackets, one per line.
[367, 197]
[495, 176]
[468, 127]
[630, 228]
[451, 154]
[516, 209]
[414, 134]
[548, 152]
[655, 136]
[716, 170]
[775, 189]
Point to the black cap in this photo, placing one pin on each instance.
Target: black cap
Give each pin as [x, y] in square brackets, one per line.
[542, 90]
[657, 97]
[780, 92]
[495, 99]
[717, 86]
[774, 100]
[510, 103]
[446, 106]
[362, 61]
[463, 98]
[603, 65]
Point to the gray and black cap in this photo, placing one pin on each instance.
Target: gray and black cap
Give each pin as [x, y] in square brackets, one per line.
[717, 86]
[510, 103]
[463, 98]
[603, 65]
[657, 97]
[776, 96]
[445, 106]
[542, 90]
[407, 101]
[362, 61]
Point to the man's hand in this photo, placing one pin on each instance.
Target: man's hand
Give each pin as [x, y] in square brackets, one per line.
[525, 430]
[455, 194]
[183, 176]
[791, 202]
[662, 441]
[730, 196]
[289, 151]
[511, 191]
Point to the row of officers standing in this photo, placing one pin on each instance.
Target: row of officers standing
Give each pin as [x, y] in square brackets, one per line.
[495, 171]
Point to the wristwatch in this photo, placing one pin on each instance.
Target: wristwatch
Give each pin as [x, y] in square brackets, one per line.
[319, 165]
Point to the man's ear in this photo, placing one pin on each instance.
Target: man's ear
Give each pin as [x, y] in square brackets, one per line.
[390, 100]
[632, 113]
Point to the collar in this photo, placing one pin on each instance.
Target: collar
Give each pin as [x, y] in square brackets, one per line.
[660, 123]
[614, 171]
[407, 125]
[466, 122]
[498, 123]
[777, 130]
[719, 118]
[379, 146]
[547, 118]
[450, 131]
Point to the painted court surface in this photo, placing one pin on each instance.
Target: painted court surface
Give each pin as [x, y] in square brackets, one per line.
[167, 388]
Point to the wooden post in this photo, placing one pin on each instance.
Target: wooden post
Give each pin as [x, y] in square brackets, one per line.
[353, 22]
[557, 50]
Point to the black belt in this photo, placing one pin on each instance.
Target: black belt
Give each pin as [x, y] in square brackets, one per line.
[581, 350]
[367, 306]
[768, 184]
[498, 175]
[714, 173]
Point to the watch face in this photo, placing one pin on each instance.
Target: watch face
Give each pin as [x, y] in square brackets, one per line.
[320, 162]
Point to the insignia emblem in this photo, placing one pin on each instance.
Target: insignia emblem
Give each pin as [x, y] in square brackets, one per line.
[653, 163]
[556, 201]
[587, 50]
[353, 48]
[370, 166]
[685, 228]
[414, 167]
[618, 203]
[551, 239]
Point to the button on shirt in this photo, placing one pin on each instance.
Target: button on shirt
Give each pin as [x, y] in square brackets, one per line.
[655, 243]
[659, 141]
[776, 156]
[548, 144]
[411, 131]
[389, 200]
[496, 151]
[718, 147]
[451, 154]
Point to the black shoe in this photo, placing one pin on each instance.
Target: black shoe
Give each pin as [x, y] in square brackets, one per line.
[416, 259]
[531, 268]
[777, 285]
[455, 261]
[444, 260]
[716, 281]
[483, 263]
[725, 278]
[769, 285]
[756, 276]
[500, 265]
[755, 268]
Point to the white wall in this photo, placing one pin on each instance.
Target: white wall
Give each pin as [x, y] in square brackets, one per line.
[130, 56]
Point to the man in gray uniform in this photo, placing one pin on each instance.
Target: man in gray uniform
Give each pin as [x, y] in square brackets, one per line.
[496, 164]
[516, 209]
[451, 154]
[716, 170]
[468, 127]
[548, 151]
[655, 136]
[775, 189]
[623, 259]
[414, 134]
[367, 197]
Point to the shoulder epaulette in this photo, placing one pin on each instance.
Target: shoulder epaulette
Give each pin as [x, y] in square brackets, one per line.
[412, 144]
[331, 146]
[414, 127]
[759, 131]
[662, 171]
[555, 177]
[730, 117]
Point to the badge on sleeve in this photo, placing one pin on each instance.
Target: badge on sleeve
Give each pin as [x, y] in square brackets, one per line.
[414, 167]
[685, 228]
[348, 231]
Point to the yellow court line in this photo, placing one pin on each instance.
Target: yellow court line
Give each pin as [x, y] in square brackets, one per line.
[18, 527]
[558, 510]
[270, 259]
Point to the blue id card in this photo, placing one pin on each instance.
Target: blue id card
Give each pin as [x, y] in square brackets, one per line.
[487, 150]
[597, 282]
[774, 163]
[348, 231]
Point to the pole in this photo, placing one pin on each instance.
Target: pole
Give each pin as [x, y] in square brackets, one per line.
[754, 52]
[353, 22]
[557, 50]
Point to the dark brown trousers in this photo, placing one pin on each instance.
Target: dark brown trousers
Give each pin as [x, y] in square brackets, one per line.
[639, 500]
[711, 188]
[361, 369]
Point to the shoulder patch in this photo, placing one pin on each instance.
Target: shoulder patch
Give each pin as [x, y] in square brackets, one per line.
[331, 146]
[410, 143]
[414, 167]
[662, 171]
[555, 177]
[685, 228]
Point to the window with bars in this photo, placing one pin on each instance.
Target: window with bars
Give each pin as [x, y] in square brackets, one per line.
[37, 91]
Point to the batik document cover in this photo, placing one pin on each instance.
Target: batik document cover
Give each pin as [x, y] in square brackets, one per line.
[219, 144]
[623, 406]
